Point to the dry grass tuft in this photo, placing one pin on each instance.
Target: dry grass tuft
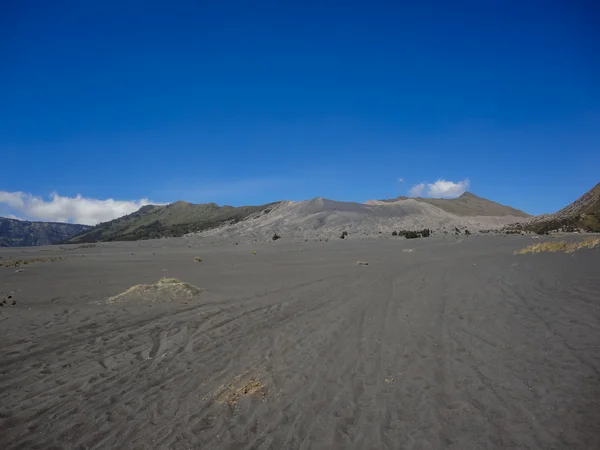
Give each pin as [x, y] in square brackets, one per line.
[24, 262]
[165, 289]
[559, 246]
[235, 392]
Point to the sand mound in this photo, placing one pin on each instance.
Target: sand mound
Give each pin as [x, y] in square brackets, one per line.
[166, 289]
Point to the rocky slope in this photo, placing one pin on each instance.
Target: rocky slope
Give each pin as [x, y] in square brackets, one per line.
[582, 214]
[175, 219]
[15, 233]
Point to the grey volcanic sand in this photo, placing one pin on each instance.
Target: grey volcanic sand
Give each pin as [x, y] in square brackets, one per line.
[456, 344]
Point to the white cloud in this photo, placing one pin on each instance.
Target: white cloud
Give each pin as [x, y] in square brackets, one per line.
[416, 190]
[400, 180]
[441, 188]
[447, 189]
[77, 209]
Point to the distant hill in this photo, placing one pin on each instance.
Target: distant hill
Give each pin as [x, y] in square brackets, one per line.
[175, 219]
[467, 204]
[323, 218]
[316, 217]
[583, 213]
[18, 233]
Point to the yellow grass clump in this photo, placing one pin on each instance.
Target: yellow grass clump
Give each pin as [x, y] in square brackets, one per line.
[165, 289]
[559, 246]
[236, 391]
[24, 262]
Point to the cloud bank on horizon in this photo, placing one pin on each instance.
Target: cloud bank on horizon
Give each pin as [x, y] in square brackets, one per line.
[440, 189]
[81, 210]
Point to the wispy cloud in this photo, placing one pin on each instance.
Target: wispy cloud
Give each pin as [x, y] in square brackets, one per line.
[416, 190]
[440, 189]
[400, 180]
[88, 211]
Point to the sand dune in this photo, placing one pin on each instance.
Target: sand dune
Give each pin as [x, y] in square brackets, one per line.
[457, 343]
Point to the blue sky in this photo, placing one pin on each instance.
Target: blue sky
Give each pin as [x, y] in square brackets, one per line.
[245, 102]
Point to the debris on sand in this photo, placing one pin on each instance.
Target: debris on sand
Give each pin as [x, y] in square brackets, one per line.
[4, 299]
[559, 246]
[166, 289]
[236, 391]
[197, 259]
[362, 263]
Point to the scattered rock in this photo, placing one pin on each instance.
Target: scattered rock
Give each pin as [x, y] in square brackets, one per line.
[197, 259]
[362, 263]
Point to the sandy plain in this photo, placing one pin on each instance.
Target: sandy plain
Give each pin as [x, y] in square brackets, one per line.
[445, 342]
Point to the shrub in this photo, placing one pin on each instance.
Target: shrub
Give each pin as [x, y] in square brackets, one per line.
[408, 234]
[276, 236]
[394, 233]
[344, 234]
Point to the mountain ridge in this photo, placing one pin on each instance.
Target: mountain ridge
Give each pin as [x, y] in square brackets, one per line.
[582, 214]
[171, 220]
[25, 233]
[467, 204]
[318, 215]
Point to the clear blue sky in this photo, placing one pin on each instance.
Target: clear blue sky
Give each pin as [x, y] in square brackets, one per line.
[246, 102]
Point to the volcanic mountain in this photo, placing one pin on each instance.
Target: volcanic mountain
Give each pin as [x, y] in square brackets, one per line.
[20, 233]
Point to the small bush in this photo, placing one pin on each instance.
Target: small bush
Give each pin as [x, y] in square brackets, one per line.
[344, 234]
[394, 233]
[411, 234]
[276, 236]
